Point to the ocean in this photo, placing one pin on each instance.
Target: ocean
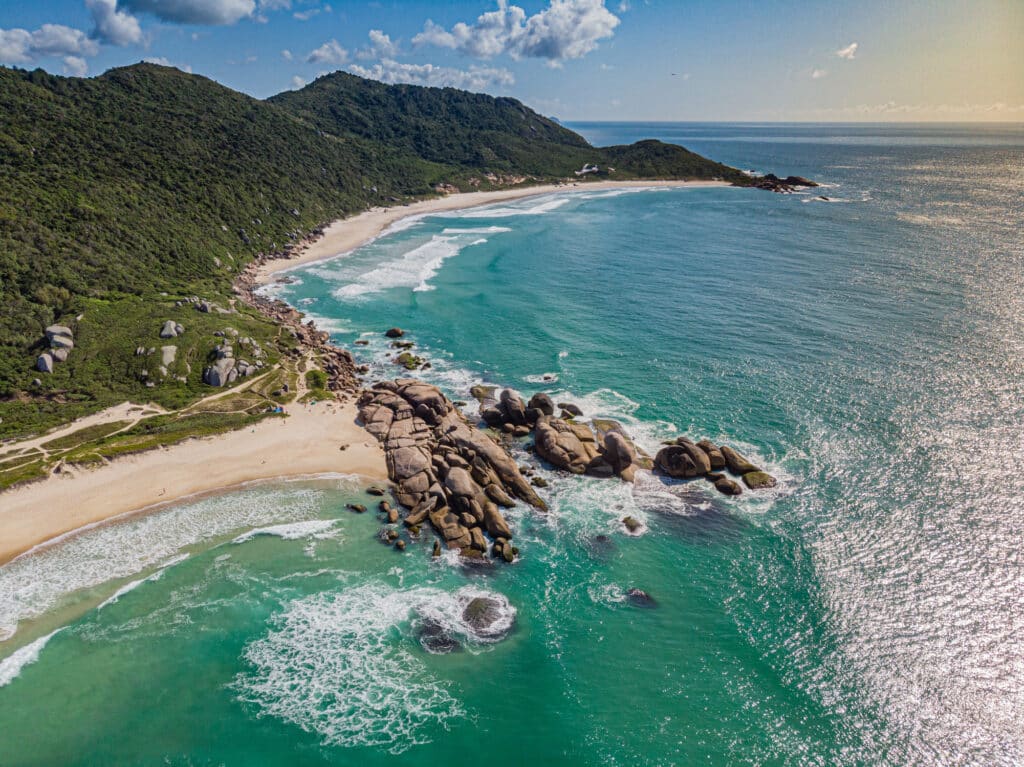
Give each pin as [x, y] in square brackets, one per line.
[867, 348]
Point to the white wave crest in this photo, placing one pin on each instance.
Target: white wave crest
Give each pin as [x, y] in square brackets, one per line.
[319, 529]
[477, 230]
[11, 666]
[129, 587]
[534, 207]
[413, 270]
[542, 378]
[35, 583]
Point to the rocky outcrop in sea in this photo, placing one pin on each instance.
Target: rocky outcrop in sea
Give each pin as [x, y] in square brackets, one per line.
[447, 472]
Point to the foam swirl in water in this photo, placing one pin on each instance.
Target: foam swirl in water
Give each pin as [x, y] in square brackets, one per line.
[338, 666]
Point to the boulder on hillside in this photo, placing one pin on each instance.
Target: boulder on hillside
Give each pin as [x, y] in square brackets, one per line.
[44, 363]
[220, 373]
[58, 330]
[171, 329]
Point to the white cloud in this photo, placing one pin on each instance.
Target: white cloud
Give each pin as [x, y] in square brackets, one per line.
[381, 47]
[306, 15]
[566, 29]
[275, 5]
[474, 78]
[848, 52]
[330, 52]
[297, 82]
[19, 46]
[165, 62]
[113, 26]
[213, 12]
[286, 55]
[817, 74]
[75, 66]
[58, 40]
[15, 45]
[624, 6]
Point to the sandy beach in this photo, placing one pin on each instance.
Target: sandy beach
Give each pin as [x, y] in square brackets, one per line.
[348, 234]
[308, 441]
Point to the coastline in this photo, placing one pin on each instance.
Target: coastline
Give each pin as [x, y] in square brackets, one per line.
[347, 234]
[307, 442]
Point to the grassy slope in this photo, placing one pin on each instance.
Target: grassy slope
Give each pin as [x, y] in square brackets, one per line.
[122, 193]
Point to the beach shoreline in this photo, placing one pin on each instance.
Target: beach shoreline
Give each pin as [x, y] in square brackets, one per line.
[311, 440]
[306, 443]
[347, 234]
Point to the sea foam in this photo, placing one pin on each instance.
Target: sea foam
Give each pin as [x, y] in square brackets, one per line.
[11, 666]
[36, 583]
[333, 665]
[413, 269]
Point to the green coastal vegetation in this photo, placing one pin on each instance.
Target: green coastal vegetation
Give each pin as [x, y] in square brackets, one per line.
[123, 195]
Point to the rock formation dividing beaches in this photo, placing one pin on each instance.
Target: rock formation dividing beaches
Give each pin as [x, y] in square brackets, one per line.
[455, 476]
[604, 451]
[447, 472]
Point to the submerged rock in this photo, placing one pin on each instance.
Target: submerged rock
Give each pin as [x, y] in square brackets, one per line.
[726, 486]
[481, 613]
[759, 480]
[640, 598]
[434, 639]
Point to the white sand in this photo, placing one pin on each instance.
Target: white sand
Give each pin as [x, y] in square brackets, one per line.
[307, 442]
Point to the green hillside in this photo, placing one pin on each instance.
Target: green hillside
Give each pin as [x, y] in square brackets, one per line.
[480, 132]
[124, 193]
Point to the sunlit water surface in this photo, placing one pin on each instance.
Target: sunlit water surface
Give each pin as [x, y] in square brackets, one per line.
[868, 349]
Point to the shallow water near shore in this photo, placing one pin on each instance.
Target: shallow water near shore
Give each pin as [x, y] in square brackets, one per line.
[868, 349]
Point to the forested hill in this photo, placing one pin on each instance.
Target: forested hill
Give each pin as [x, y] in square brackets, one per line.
[122, 193]
[477, 131]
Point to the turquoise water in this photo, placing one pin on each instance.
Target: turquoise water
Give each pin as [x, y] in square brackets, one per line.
[868, 349]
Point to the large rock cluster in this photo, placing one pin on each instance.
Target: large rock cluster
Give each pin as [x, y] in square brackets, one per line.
[447, 472]
[225, 369]
[603, 451]
[61, 341]
[773, 183]
[685, 459]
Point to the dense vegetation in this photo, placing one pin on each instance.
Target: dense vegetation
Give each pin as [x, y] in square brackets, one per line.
[123, 193]
[480, 132]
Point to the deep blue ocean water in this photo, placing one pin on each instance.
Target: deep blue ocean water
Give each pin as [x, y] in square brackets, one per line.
[868, 349]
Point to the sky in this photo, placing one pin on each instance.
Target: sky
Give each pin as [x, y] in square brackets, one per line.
[766, 60]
